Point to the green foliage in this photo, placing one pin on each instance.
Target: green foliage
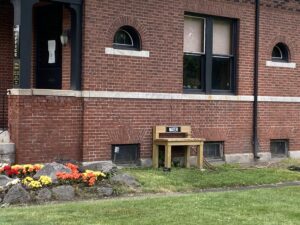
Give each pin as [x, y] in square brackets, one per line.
[263, 207]
[181, 180]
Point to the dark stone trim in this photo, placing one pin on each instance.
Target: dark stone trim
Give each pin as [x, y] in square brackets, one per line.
[23, 18]
[78, 2]
[76, 45]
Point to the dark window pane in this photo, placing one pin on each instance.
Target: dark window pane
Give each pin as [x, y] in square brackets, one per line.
[122, 37]
[213, 150]
[127, 38]
[278, 148]
[192, 72]
[221, 73]
[280, 52]
[277, 53]
[125, 154]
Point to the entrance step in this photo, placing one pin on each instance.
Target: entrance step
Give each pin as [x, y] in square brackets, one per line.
[7, 153]
[7, 149]
[4, 137]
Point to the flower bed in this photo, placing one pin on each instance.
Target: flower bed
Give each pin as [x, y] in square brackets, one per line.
[32, 183]
[88, 177]
[37, 182]
[20, 171]
[25, 174]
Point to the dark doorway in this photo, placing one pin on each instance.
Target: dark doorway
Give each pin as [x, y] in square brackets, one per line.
[48, 46]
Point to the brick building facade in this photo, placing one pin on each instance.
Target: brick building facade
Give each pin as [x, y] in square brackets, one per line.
[122, 92]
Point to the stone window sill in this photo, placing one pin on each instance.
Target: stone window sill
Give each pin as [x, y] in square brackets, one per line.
[122, 52]
[281, 64]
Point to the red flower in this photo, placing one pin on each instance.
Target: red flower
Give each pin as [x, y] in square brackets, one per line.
[6, 168]
[11, 172]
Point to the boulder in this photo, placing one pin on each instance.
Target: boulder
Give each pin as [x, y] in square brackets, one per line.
[126, 179]
[105, 167]
[44, 195]
[6, 182]
[50, 170]
[63, 193]
[105, 191]
[17, 194]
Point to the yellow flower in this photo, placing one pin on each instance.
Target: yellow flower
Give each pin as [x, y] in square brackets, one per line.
[35, 184]
[27, 166]
[45, 180]
[27, 180]
[95, 173]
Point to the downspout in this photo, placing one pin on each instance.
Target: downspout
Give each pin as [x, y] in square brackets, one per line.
[256, 63]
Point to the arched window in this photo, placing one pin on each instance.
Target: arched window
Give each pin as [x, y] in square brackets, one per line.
[127, 38]
[280, 53]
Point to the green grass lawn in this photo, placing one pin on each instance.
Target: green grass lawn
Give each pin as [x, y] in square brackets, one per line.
[183, 180]
[257, 207]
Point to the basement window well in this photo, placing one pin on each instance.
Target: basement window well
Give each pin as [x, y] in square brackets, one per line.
[279, 148]
[213, 150]
[126, 154]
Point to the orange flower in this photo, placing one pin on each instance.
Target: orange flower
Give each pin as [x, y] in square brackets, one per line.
[72, 167]
[92, 181]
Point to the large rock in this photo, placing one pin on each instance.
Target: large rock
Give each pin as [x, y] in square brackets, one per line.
[105, 167]
[6, 182]
[126, 179]
[105, 191]
[50, 170]
[17, 194]
[44, 195]
[63, 193]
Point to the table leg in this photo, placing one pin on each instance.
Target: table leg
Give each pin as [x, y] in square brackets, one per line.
[168, 149]
[187, 155]
[155, 156]
[200, 156]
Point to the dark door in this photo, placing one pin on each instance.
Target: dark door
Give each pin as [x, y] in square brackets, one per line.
[48, 47]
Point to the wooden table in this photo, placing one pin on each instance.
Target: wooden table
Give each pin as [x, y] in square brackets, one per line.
[169, 142]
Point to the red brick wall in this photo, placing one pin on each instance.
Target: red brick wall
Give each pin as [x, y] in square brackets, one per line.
[279, 121]
[6, 54]
[160, 24]
[284, 27]
[109, 122]
[279, 23]
[46, 128]
[161, 27]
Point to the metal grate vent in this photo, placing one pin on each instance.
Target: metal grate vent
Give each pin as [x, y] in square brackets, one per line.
[126, 154]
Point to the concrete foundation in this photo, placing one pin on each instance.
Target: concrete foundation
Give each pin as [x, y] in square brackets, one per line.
[294, 154]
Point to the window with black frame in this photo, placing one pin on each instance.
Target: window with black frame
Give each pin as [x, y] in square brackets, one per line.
[128, 38]
[194, 52]
[280, 53]
[209, 54]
